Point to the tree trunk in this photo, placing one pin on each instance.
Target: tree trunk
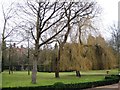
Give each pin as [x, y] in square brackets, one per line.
[28, 69]
[57, 64]
[80, 33]
[78, 73]
[28, 57]
[57, 70]
[34, 71]
[9, 69]
[57, 73]
[3, 53]
[9, 60]
[2, 62]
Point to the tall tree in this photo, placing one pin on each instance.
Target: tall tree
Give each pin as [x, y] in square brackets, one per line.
[72, 10]
[42, 16]
[83, 25]
[100, 53]
[7, 30]
[115, 40]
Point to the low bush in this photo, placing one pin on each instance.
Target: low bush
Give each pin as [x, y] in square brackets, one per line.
[112, 77]
[59, 85]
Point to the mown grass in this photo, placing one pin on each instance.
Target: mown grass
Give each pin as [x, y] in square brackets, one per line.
[0, 80]
[21, 79]
[100, 72]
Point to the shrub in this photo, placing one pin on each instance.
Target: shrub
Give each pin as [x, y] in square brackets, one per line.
[112, 77]
[59, 85]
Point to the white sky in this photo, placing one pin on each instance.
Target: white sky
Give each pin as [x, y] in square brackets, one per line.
[108, 17]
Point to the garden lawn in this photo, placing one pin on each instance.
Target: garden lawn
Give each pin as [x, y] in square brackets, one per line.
[100, 72]
[22, 79]
[0, 80]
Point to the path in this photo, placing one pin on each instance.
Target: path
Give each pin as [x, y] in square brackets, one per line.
[108, 87]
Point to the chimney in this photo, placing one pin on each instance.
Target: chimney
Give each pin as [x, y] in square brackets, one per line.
[21, 46]
[14, 45]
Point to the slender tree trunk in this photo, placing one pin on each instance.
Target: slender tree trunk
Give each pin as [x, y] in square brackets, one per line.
[9, 65]
[57, 72]
[2, 62]
[9, 59]
[80, 41]
[34, 71]
[78, 73]
[3, 53]
[28, 57]
[80, 35]
[28, 69]
[11, 68]
[57, 65]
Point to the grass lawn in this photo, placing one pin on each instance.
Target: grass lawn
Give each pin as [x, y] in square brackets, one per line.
[100, 72]
[0, 80]
[21, 79]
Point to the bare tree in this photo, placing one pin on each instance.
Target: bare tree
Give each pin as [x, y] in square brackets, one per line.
[42, 16]
[115, 40]
[7, 30]
[115, 37]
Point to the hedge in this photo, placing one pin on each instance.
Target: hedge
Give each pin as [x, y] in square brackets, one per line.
[77, 86]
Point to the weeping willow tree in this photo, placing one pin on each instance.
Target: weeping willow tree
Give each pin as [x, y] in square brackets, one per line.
[95, 55]
[73, 57]
[100, 54]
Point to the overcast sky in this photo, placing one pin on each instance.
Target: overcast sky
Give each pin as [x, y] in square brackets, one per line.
[108, 17]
